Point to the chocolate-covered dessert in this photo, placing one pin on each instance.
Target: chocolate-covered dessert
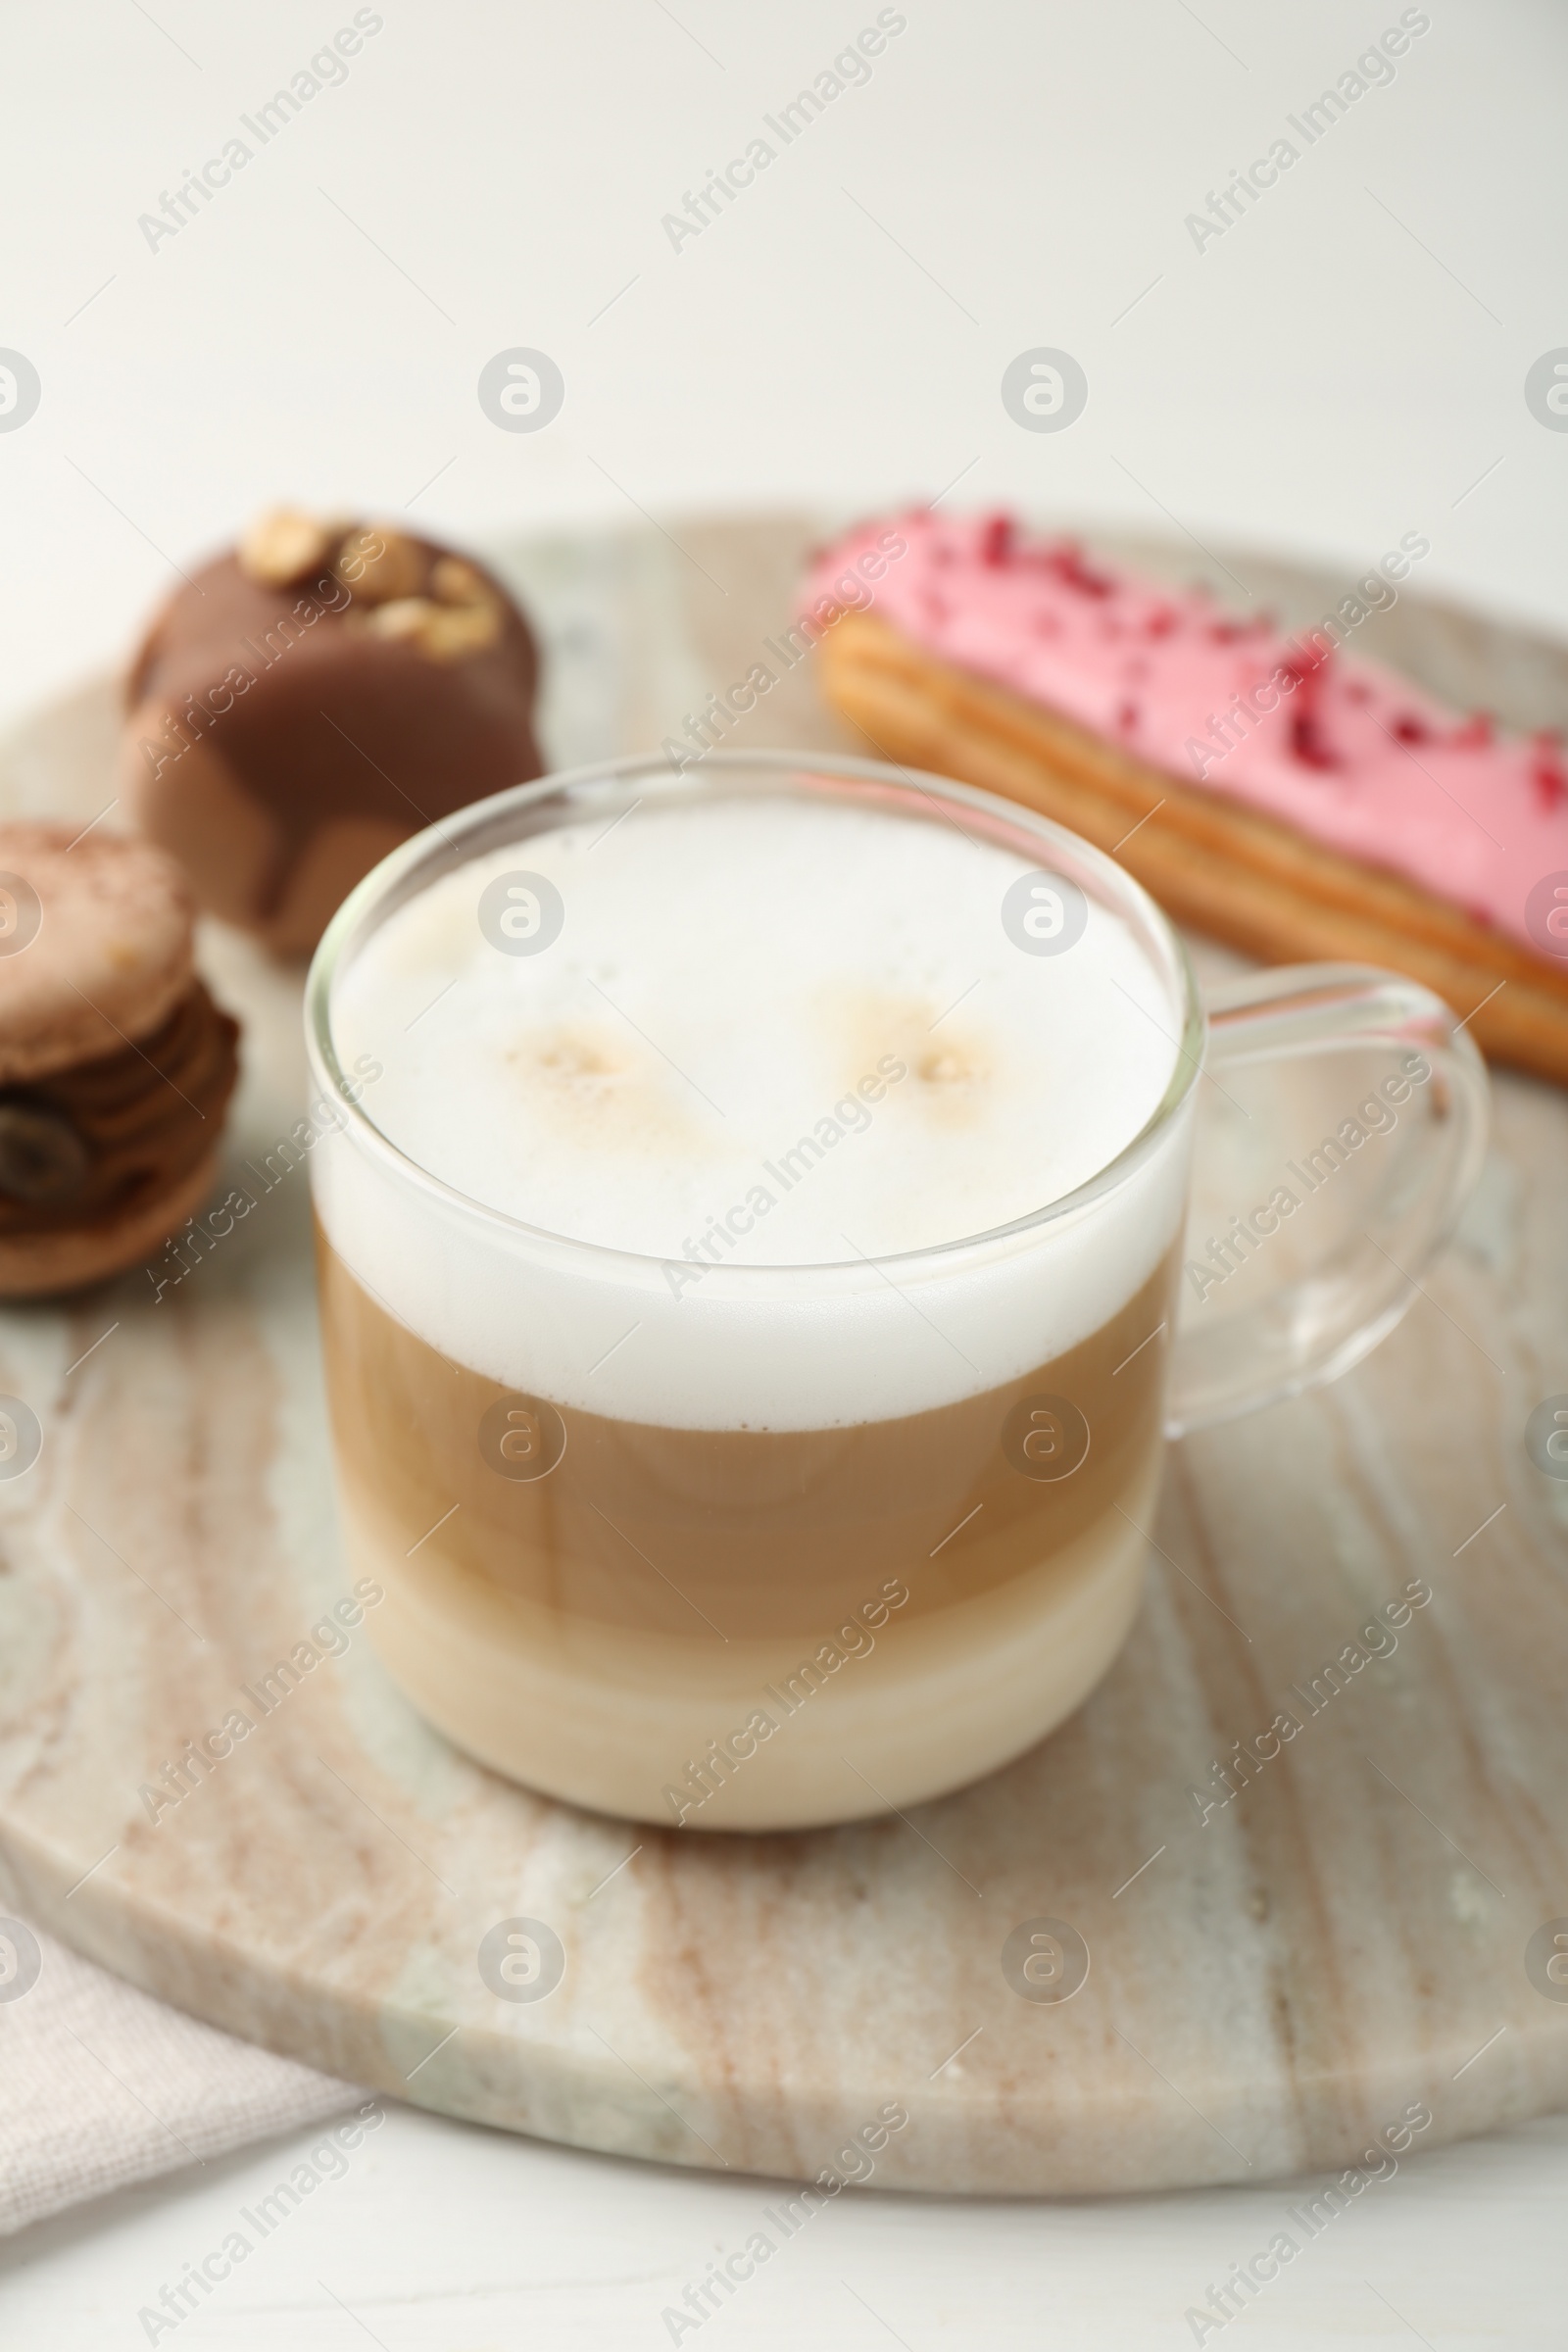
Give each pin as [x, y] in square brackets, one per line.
[311, 699]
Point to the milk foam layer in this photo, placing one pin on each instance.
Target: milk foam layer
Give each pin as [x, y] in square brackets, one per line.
[733, 982]
[730, 980]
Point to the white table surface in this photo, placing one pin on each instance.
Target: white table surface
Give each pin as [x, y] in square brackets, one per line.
[1344, 365]
[442, 2237]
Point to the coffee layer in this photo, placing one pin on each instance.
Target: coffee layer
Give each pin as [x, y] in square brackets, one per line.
[734, 1534]
[766, 1739]
[682, 1575]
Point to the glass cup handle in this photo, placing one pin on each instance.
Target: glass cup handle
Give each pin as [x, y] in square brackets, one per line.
[1329, 1304]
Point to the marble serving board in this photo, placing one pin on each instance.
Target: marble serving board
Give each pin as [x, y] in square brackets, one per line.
[1270, 1987]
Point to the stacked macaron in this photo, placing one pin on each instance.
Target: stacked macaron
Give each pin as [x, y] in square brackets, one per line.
[116, 1066]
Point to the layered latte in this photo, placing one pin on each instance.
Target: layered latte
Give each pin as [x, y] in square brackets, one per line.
[746, 1377]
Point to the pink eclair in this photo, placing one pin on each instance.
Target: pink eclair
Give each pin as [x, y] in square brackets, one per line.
[1288, 798]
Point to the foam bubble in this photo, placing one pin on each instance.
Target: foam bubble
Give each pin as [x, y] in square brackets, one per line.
[770, 1032]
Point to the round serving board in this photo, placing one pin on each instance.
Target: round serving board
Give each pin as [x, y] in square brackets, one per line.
[1268, 1988]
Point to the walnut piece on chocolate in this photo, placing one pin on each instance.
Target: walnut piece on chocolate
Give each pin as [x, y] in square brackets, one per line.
[283, 545]
[460, 615]
[441, 632]
[380, 564]
[455, 581]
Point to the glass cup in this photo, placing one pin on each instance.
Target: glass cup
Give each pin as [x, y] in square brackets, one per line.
[718, 1617]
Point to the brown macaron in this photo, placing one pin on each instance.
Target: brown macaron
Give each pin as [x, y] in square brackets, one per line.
[116, 1066]
[311, 699]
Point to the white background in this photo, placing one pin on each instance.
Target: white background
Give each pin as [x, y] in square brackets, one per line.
[1344, 365]
[1321, 378]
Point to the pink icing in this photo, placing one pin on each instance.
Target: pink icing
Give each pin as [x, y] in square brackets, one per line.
[1350, 754]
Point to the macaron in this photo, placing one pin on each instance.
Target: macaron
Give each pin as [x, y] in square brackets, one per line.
[116, 1065]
